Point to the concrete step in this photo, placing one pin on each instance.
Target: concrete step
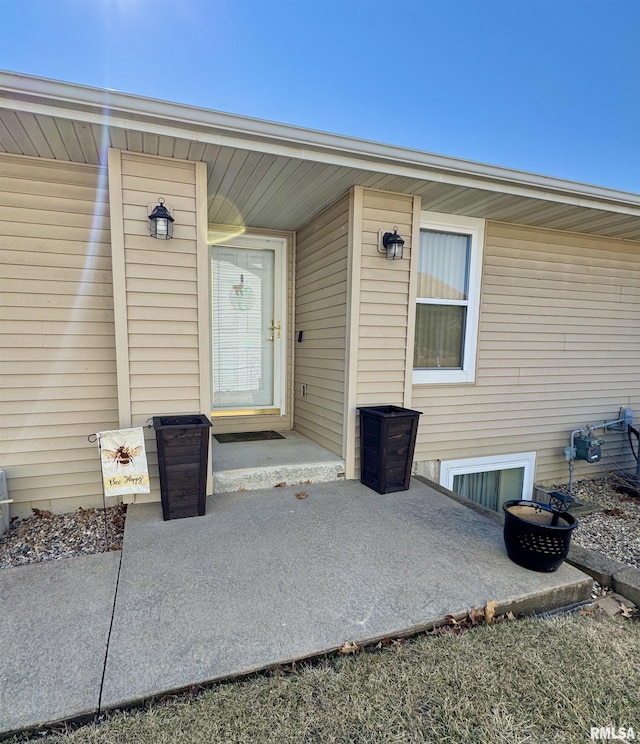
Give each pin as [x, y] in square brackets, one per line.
[292, 460]
[252, 479]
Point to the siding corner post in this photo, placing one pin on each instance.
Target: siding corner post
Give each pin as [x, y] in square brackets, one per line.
[204, 327]
[354, 265]
[202, 263]
[119, 286]
[411, 309]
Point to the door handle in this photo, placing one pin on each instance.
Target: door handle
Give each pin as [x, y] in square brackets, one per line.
[275, 327]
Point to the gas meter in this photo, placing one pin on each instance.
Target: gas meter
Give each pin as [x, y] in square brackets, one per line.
[588, 448]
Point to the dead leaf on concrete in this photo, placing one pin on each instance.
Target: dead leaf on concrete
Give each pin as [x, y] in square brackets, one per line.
[476, 615]
[490, 611]
[301, 495]
[280, 485]
[349, 648]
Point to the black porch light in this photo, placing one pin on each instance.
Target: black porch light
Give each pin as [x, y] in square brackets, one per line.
[392, 244]
[161, 222]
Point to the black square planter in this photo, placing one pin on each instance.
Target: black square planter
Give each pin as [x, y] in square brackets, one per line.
[183, 450]
[387, 444]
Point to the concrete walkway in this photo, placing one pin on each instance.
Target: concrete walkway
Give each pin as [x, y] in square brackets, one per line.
[264, 578]
[54, 621]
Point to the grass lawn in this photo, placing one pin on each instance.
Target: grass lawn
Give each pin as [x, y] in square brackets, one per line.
[535, 680]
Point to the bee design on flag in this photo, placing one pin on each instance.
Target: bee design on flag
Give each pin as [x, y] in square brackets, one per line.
[124, 456]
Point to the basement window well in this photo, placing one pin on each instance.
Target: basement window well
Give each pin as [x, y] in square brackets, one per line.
[490, 481]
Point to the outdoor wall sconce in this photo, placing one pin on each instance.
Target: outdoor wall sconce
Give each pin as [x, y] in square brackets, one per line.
[161, 222]
[392, 244]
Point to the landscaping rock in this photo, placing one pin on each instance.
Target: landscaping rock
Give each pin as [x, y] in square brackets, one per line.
[613, 529]
[46, 536]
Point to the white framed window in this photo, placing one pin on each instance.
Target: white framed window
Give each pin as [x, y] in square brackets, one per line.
[490, 481]
[449, 269]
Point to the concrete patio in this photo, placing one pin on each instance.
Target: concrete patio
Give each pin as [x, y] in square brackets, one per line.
[264, 578]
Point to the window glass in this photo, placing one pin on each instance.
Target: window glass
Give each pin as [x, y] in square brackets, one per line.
[444, 265]
[491, 488]
[439, 336]
[242, 282]
[448, 269]
[443, 291]
[511, 484]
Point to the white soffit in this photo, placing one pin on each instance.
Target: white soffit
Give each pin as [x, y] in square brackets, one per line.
[277, 176]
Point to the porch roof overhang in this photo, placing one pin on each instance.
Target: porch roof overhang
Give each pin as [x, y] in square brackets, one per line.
[276, 176]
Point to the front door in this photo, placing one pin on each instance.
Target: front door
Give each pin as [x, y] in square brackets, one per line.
[248, 283]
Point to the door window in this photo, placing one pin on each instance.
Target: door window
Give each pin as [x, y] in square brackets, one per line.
[243, 313]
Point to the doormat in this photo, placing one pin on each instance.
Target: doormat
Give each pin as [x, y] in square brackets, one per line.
[248, 436]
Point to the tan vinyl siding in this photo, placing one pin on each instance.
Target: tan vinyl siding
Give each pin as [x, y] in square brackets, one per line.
[321, 314]
[156, 282]
[161, 289]
[559, 347]
[384, 301]
[58, 351]
[384, 288]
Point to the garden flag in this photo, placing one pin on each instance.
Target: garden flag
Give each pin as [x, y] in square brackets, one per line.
[124, 462]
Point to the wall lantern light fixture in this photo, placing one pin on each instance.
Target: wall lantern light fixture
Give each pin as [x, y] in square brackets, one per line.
[161, 222]
[392, 244]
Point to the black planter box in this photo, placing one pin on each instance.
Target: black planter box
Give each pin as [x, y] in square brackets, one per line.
[387, 444]
[531, 540]
[183, 449]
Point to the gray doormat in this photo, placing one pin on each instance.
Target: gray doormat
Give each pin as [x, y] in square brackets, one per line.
[248, 436]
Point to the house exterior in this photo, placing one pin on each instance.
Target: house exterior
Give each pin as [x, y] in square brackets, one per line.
[511, 320]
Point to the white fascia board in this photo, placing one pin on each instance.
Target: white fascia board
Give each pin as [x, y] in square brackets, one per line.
[105, 107]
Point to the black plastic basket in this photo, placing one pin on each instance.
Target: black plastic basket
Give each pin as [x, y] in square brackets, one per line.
[531, 540]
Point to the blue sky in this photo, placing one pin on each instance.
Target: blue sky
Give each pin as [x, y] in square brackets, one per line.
[548, 86]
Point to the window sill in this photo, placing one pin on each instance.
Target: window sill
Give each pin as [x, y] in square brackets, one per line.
[454, 376]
